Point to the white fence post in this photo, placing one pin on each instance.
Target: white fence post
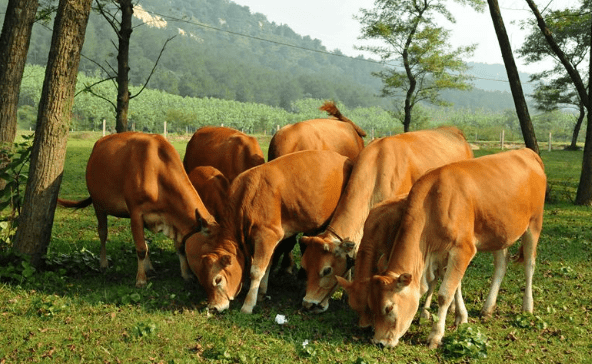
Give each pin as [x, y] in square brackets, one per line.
[503, 134]
[165, 130]
[550, 141]
[104, 127]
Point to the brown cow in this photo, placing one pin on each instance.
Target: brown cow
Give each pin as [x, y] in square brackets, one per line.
[339, 134]
[380, 230]
[141, 177]
[267, 204]
[484, 204]
[385, 168]
[228, 150]
[212, 187]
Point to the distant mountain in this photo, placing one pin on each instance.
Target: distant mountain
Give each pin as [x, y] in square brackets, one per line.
[493, 77]
[220, 49]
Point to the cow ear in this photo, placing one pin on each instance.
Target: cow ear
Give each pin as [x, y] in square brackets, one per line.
[348, 246]
[382, 263]
[225, 261]
[344, 283]
[404, 280]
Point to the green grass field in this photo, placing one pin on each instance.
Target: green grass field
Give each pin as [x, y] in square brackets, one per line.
[73, 313]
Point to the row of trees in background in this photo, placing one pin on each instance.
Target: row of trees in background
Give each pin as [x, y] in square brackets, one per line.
[185, 114]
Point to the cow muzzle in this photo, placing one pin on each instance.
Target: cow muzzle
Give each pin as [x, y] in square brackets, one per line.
[315, 306]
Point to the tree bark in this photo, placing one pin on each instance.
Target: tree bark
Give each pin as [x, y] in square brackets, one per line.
[513, 77]
[14, 45]
[584, 193]
[577, 127]
[53, 121]
[123, 95]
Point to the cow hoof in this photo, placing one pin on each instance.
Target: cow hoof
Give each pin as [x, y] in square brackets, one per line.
[247, 310]
[140, 284]
[425, 315]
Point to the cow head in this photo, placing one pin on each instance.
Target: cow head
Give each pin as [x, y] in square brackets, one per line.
[218, 264]
[394, 300]
[322, 260]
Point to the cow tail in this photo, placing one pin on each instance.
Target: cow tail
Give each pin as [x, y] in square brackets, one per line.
[75, 204]
[332, 110]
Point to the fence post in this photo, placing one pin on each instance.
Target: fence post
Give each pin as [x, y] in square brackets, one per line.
[502, 139]
[550, 141]
[165, 130]
[104, 126]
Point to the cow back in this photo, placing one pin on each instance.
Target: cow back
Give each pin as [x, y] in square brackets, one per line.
[226, 149]
[316, 134]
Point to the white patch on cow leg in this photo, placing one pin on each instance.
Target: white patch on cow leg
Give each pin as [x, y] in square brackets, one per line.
[185, 272]
[460, 310]
[264, 282]
[500, 264]
[102, 229]
[529, 242]
[137, 224]
[251, 299]
[141, 276]
[425, 313]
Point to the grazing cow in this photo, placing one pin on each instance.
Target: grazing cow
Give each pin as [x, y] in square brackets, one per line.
[226, 149]
[380, 230]
[141, 177]
[384, 168]
[267, 204]
[484, 204]
[340, 135]
[212, 187]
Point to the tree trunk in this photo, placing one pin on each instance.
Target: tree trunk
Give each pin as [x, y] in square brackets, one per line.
[584, 193]
[123, 68]
[14, 45]
[577, 127]
[513, 77]
[53, 121]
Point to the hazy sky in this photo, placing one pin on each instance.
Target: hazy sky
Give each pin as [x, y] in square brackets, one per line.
[331, 21]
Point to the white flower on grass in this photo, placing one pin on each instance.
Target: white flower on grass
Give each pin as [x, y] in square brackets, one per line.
[280, 319]
[304, 343]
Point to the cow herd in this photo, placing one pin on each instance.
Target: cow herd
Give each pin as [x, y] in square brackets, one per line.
[404, 211]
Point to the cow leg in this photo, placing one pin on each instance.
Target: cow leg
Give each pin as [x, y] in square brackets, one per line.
[500, 264]
[185, 271]
[529, 244]
[259, 268]
[461, 315]
[425, 313]
[458, 261]
[137, 224]
[102, 229]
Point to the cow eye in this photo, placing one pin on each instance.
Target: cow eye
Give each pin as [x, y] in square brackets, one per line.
[326, 271]
[217, 281]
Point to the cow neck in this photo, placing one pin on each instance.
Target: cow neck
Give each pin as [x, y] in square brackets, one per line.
[351, 211]
[232, 233]
[408, 252]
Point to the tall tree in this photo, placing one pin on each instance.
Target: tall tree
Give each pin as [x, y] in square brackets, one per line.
[51, 133]
[122, 26]
[14, 45]
[584, 192]
[513, 77]
[418, 58]
[123, 29]
[555, 88]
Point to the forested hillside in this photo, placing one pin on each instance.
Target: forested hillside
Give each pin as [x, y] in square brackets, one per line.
[218, 51]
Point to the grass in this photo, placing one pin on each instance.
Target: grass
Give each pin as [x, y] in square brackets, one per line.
[70, 312]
